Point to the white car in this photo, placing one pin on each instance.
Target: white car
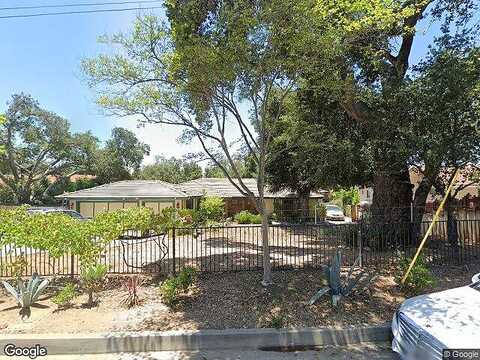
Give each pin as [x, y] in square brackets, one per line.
[50, 210]
[425, 326]
[334, 213]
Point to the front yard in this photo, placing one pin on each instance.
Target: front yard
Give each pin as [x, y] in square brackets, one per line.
[224, 300]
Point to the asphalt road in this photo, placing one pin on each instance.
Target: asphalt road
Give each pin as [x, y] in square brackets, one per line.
[371, 352]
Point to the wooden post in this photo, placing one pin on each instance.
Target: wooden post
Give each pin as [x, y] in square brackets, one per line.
[173, 250]
[72, 265]
[360, 245]
[430, 228]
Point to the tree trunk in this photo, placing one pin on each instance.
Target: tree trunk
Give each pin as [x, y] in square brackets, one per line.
[267, 268]
[90, 298]
[304, 199]
[260, 203]
[419, 201]
[23, 196]
[392, 195]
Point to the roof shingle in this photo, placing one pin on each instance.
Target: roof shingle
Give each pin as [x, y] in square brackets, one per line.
[128, 189]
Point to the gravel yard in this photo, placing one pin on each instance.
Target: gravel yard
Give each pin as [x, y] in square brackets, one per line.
[225, 300]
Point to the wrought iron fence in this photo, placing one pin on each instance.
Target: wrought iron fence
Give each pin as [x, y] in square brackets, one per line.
[234, 248]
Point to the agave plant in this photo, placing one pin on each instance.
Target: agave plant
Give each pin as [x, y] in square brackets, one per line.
[27, 295]
[338, 287]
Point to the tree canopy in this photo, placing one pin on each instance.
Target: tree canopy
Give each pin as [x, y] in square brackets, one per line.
[38, 144]
[121, 157]
[171, 170]
[41, 153]
[366, 69]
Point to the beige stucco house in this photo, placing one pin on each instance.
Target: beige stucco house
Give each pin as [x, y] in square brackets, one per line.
[158, 195]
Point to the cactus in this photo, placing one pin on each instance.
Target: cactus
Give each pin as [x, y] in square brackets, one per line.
[337, 287]
[27, 295]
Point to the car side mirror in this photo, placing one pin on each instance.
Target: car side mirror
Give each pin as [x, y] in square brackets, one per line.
[476, 278]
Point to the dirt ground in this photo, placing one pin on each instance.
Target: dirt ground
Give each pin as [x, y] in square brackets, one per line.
[225, 300]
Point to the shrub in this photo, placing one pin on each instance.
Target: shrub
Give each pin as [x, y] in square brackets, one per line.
[277, 321]
[60, 234]
[213, 208]
[186, 277]
[246, 217]
[169, 290]
[17, 267]
[92, 278]
[131, 299]
[174, 286]
[65, 296]
[419, 278]
[192, 218]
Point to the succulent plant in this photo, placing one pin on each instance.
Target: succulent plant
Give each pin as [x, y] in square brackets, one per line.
[338, 287]
[27, 295]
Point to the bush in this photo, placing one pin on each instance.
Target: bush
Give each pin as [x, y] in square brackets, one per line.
[132, 299]
[174, 286]
[213, 208]
[65, 296]
[169, 290]
[277, 321]
[419, 278]
[246, 217]
[192, 218]
[186, 277]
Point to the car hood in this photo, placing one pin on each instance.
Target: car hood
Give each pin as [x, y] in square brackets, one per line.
[334, 212]
[451, 316]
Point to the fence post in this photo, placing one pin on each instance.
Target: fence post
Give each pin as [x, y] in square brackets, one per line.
[173, 250]
[72, 265]
[360, 241]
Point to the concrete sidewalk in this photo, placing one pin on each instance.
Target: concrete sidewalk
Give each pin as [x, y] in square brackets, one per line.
[358, 352]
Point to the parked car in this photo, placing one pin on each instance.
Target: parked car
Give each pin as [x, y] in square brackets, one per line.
[334, 213]
[425, 326]
[46, 210]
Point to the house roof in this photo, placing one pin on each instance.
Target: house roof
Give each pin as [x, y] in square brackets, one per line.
[153, 189]
[128, 189]
[224, 188]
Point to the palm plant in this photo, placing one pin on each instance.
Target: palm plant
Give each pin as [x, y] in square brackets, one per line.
[92, 278]
[26, 295]
[338, 287]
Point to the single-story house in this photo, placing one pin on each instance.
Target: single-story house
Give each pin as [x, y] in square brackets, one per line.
[158, 195]
[236, 202]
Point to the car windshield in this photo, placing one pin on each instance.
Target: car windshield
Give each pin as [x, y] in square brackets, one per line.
[333, 207]
[73, 214]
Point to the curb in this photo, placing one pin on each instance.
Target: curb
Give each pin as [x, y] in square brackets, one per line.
[245, 339]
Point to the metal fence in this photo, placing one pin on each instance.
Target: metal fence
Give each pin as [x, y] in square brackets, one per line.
[232, 248]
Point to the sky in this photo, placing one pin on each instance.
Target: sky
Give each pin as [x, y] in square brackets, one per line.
[41, 56]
